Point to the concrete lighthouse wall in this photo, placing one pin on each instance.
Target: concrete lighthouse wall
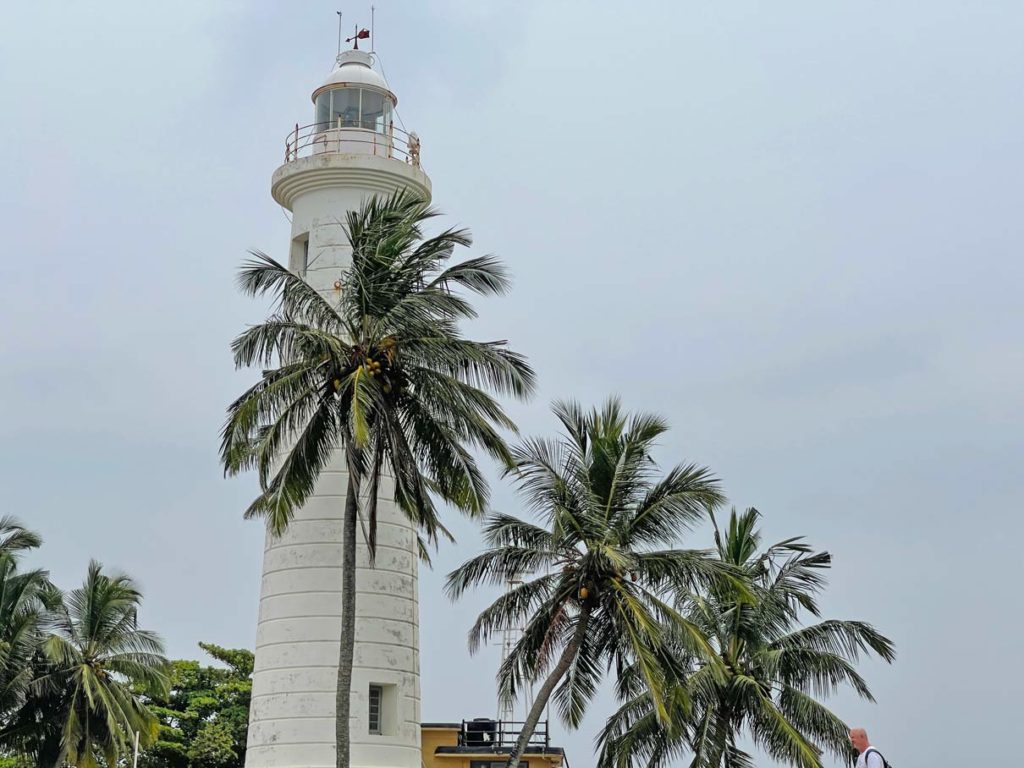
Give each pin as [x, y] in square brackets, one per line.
[292, 718]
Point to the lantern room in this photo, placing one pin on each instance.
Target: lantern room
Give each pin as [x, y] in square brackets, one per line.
[353, 114]
[355, 96]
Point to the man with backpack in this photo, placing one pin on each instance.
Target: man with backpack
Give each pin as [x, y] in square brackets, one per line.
[867, 756]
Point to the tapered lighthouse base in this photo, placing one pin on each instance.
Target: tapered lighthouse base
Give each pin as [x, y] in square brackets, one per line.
[294, 682]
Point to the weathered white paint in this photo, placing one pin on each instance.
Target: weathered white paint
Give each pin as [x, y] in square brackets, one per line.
[292, 718]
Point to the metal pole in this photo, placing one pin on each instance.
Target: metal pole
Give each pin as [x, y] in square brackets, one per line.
[373, 37]
[135, 762]
[339, 30]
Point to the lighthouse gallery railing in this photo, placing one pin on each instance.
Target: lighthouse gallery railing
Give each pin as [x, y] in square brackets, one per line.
[343, 137]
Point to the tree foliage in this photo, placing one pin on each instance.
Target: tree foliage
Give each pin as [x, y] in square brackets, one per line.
[382, 370]
[771, 674]
[596, 564]
[71, 664]
[204, 715]
[26, 597]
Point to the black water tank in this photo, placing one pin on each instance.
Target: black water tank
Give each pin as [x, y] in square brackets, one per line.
[480, 731]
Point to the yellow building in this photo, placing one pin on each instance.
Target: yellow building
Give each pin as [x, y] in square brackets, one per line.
[485, 743]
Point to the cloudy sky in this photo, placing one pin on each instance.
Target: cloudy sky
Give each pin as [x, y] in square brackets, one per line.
[794, 229]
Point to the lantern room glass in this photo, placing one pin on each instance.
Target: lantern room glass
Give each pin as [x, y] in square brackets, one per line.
[354, 108]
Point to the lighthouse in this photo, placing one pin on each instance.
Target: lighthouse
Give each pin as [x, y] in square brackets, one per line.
[351, 151]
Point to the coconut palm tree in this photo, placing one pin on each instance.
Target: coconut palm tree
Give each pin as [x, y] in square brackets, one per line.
[595, 566]
[81, 706]
[24, 598]
[15, 539]
[381, 372]
[777, 671]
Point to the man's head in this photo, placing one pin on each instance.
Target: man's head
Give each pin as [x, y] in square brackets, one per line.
[859, 739]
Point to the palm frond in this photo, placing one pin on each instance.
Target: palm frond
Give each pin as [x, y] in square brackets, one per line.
[495, 567]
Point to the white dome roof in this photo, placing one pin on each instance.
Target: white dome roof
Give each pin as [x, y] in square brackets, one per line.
[355, 68]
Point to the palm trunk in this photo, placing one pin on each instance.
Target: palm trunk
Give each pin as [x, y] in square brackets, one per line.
[50, 749]
[722, 740]
[343, 694]
[548, 688]
[50, 754]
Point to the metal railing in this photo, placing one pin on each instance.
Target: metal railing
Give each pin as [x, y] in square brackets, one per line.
[499, 734]
[344, 136]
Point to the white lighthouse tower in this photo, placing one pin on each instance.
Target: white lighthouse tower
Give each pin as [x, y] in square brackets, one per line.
[350, 152]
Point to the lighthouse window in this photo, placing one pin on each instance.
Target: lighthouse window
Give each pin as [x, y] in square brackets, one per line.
[345, 108]
[354, 108]
[323, 108]
[300, 254]
[373, 111]
[376, 702]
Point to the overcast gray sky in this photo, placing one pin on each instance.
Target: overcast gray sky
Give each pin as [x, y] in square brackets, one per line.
[792, 228]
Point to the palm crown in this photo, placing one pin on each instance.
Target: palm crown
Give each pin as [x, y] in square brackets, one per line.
[597, 566]
[775, 670]
[379, 368]
[82, 703]
[25, 597]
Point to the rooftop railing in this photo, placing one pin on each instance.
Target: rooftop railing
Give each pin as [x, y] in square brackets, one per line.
[501, 734]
